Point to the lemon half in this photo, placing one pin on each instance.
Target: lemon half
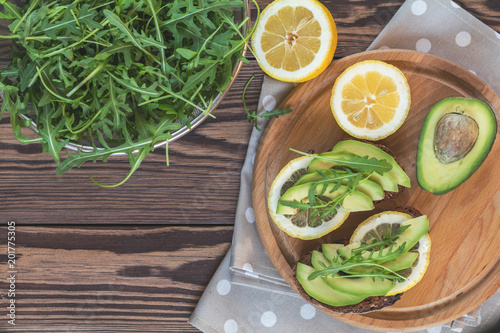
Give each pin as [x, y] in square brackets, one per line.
[376, 226]
[298, 226]
[370, 99]
[294, 40]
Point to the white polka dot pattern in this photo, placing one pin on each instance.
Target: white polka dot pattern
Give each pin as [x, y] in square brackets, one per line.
[268, 319]
[307, 311]
[423, 45]
[223, 287]
[249, 215]
[419, 7]
[269, 103]
[463, 38]
[230, 326]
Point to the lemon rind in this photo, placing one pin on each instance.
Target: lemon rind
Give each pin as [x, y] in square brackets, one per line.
[419, 270]
[284, 223]
[326, 52]
[388, 128]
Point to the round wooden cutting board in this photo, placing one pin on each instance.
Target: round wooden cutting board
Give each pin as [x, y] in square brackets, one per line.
[464, 267]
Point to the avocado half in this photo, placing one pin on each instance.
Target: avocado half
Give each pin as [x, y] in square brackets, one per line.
[456, 137]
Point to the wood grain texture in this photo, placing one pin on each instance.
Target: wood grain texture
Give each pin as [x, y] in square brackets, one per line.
[199, 187]
[66, 270]
[122, 279]
[465, 262]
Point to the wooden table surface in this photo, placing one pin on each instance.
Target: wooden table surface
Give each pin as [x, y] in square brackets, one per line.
[138, 257]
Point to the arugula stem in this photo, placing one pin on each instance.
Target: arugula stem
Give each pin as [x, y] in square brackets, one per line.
[159, 36]
[107, 72]
[90, 76]
[142, 154]
[172, 95]
[72, 45]
[30, 9]
[49, 89]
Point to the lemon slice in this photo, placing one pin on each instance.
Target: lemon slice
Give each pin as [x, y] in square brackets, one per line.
[299, 225]
[370, 100]
[294, 40]
[376, 226]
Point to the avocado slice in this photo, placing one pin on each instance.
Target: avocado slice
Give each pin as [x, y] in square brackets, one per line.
[330, 250]
[353, 202]
[366, 149]
[319, 290]
[456, 137]
[319, 261]
[385, 180]
[368, 187]
[358, 286]
[345, 252]
[322, 164]
[361, 286]
[404, 261]
[419, 226]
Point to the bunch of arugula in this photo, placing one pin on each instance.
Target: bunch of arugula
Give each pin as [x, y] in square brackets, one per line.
[373, 262]
[355, 170]
[120, 75]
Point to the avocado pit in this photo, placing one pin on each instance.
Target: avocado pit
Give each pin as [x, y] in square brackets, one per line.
[454, 137]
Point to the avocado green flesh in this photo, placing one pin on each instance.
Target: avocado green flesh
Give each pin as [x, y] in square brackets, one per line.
[319, 261]
[346, 251]
[354, 202]
[439, 178]
[368, 187]
[404, 261]
[340, 291]
[386, 181]
[419, 226]
[361, 286]
[330, 250]
[322, 164]
[366, 149]
[358, 286]
[319, 290]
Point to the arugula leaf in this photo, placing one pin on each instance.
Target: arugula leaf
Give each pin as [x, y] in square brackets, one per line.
[355, 170]
[49, 133]
[363, 164]
[120, 76]
[252, 116]
[341, 264]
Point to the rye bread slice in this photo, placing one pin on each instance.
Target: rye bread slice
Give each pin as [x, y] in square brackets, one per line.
[368, 304]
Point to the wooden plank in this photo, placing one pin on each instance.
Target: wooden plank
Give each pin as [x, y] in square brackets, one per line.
[205, 164]
[201, 185]
[120, 279]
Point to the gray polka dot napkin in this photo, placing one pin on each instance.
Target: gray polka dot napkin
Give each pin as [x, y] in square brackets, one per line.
[247, 294]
